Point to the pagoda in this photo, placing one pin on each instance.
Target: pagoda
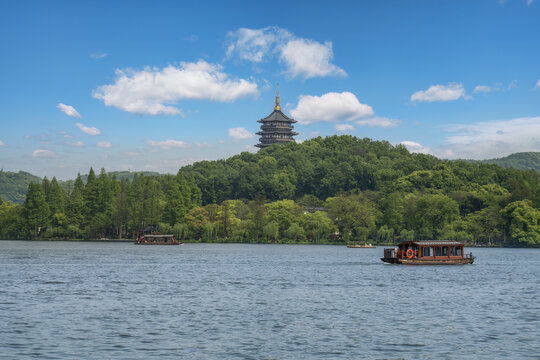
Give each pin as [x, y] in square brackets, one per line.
[276, 128]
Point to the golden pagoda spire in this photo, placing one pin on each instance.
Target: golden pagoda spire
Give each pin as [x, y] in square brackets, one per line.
[277, 107]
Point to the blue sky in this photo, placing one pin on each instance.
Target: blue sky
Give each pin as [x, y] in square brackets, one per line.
[155, 85]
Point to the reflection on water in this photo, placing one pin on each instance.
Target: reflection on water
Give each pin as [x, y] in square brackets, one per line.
[66, 300]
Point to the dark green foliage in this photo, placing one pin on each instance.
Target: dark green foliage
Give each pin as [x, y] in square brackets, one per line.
[36, 210]
[340, 188]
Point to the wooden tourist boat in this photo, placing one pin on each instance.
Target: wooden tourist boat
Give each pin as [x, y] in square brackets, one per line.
[156, 240]
[428, 252]
[368, 246]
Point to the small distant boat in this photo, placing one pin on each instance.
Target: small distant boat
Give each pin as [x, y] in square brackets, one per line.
[369, 246]
[156, 240]
[428, 252]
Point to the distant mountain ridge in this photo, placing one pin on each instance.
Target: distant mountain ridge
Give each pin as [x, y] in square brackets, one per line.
[520, 161]
[13, 186]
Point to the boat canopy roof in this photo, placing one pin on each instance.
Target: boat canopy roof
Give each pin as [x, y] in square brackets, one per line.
[158, 236]
[434, 242]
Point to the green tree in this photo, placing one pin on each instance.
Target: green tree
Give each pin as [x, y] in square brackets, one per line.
[393, 211]
[12, 222]
[91, 197]
[406, 235]
[75, 206]
[197, 219]
[56, 197]
[523, 222]
[36, 209]
[352, 212]
[271, 231]
[431, 213]
[318, 226]
[385, 234]
[284, 213]
[226, 218]
[295, 232]
[182, 195]
[121, 207]
[257, 216]
[486, 225]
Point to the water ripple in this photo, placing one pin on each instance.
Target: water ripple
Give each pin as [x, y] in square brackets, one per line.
[61, 300]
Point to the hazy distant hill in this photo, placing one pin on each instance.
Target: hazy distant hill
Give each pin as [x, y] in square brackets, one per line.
[521, 161]
[13, 186]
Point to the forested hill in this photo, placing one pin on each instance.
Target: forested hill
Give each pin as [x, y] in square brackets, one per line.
[336, 189]
[13, 186]
[337, 164]
[522, 161]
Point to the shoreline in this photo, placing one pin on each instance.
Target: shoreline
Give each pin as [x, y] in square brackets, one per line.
[377, 245]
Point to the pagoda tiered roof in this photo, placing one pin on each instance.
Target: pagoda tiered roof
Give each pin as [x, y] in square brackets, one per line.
[276, 128]
[277, 115]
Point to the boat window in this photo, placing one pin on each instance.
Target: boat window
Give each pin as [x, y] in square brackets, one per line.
[445, 251]
[451, 251]
[426, 251]
[458, 251]
[438, 251]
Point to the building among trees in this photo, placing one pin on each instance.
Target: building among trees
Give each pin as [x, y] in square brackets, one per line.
[276, 128]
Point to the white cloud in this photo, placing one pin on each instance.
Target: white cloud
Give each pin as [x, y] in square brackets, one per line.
[152, 90]
[68, 110]
[2, 144]
[343, 128]
[41, 153]
[497, 87]
[377, 121]
[538, 84]
[75, 143]
[529, 2]
[415, 147]
[255, 44]
[104, 144]
[98, 55]
[66, 135]
[302, 57]
[308, 58]
[448, 92]
[88, 130]
[168, 144]
[330, 107]
[239, 133]
[482, 89]
[491, 139]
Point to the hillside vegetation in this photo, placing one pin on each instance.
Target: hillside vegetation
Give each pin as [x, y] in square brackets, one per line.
[337, 189]
[13, 186]
[522, 161]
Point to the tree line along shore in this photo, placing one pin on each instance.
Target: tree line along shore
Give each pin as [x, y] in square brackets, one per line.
[339, 189]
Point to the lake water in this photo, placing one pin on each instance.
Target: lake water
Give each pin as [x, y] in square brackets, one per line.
[68, 300]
